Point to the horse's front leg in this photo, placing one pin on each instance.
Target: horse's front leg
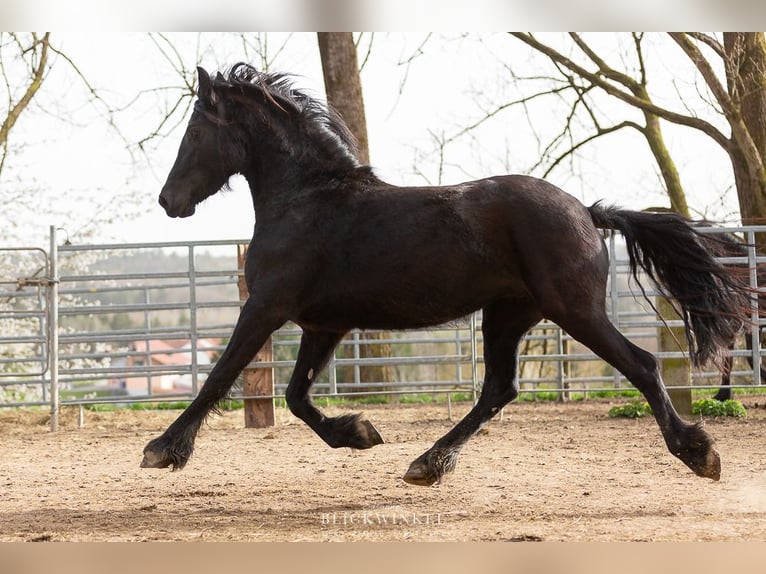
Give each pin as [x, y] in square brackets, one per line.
[174, 447]
[347, 430]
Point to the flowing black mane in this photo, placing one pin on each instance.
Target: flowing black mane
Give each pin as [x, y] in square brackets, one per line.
[278, 89]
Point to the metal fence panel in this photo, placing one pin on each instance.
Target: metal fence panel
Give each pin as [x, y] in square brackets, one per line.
[88, 331]
[24, 325]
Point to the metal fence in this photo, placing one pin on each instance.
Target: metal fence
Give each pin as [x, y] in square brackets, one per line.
[122, 323]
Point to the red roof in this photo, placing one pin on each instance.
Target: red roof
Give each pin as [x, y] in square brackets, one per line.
[174, 351]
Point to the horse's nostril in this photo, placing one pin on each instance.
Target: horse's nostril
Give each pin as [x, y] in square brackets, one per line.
[163, 202]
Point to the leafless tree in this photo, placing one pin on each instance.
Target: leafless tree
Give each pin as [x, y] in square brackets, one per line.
[27, 61]
[739, 97]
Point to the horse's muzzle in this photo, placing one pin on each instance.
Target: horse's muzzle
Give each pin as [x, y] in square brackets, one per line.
[176, 209]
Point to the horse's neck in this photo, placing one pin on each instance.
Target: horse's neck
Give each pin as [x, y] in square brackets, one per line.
[279, 186]
[276, 174]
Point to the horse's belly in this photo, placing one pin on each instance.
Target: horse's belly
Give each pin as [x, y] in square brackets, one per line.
[346, 317]
[395, 309]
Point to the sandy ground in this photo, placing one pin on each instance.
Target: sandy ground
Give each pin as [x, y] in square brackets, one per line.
[545, 472]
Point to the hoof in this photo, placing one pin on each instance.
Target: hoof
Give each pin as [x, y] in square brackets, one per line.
[420, 474]
[158, 454]
[352, 432]
[699, 454]
[430, 467]
[369, 434]
[723, 395]
[154, 460]
[711, 467]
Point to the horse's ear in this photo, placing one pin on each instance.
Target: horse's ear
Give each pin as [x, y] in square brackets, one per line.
[205, 90]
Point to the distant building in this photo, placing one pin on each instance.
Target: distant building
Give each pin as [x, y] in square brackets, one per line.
[170, 360]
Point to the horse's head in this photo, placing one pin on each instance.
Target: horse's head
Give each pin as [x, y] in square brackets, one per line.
[210, 153]
[293, 134]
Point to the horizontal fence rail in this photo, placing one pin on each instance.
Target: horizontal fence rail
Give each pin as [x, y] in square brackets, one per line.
[119, 323]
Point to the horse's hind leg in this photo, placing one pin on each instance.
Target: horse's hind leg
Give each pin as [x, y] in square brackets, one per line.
[689, 442]
[724, 392]
[347, 430]
[504, 325]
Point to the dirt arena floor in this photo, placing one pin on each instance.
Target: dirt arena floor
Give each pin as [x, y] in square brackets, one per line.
[547, 472]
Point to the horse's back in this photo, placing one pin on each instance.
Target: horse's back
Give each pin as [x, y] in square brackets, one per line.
[536, 202]
[543, 221]
[417, 256]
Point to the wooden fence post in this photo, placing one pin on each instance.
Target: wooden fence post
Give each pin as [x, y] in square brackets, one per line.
[675, 372]
[259, 413]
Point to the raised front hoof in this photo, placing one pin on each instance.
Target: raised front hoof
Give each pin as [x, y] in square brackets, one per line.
[354, 432]
[707, 466]
[158, 454]
[420, 474]
[698, 453]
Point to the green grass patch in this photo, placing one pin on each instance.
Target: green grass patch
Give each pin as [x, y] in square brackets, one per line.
[704, 393]
[576, 396]
[714, 408]
[705, 406]
[172, 406]
[626, 393]
[103, 407]
[407, 399]
[633, 410]
[441, 398]
[372, 400]
[68, 395]
[169, 406]
[342, 401]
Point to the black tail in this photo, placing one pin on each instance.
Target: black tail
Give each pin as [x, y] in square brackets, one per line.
[712, 301]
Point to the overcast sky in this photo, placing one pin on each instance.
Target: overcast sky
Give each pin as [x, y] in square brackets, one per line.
[411, 98]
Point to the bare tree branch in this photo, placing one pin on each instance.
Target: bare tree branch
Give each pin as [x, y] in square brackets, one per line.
[637, 41]
[599, 133]
[599, 79]
[603, 68]
[262, 47]
[490, 114]
[408, 62]
[566, 132]
[169, 51]
[739, 130]
[170, 121]
[187, 89]
[38, 73]
[711, 42]
[368, 52]
[705, 69]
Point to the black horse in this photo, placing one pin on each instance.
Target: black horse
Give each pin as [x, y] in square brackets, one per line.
[336, 248]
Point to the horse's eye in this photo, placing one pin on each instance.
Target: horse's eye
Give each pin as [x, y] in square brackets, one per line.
[193, 134]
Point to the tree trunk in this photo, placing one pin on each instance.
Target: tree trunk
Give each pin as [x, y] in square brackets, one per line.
[670, 176]
[344, 93]
[343, 84]
[745, 57]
